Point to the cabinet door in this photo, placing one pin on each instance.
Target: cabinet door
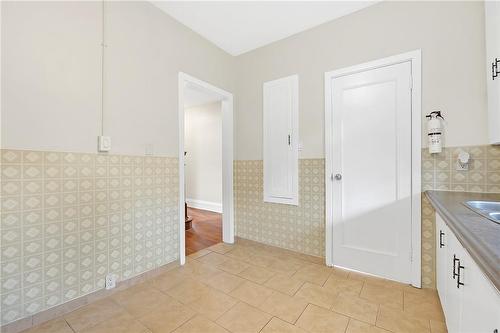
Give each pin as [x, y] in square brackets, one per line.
[481, 300]
[442, 273]
[492, 30]
[454, 294]
[281, 140]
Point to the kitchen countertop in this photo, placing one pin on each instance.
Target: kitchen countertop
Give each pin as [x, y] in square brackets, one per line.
[477, 234]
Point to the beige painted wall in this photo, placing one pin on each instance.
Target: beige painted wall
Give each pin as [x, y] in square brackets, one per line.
[51, 75]
[51, 113]
[203, 143]
[450, 34]
[51, 79]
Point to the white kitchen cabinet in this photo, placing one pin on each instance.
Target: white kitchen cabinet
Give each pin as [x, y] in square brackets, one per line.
[492, 31]
[454, 293]
[480, 299]
[442, 272]
[471, 304]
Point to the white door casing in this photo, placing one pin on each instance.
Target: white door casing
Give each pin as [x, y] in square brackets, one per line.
[227, 159]
[371, 141]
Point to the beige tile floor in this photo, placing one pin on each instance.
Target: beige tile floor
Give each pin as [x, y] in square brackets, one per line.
[250, 287]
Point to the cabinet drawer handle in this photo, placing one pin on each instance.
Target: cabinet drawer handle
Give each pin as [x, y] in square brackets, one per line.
[459, 275]
[441, 234]
[454, 266]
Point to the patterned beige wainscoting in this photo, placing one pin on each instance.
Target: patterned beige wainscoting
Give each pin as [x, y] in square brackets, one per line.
[439, 170]
[428, 240]
[68, 219]
[439, 173]
[299, 228]
[302, 228]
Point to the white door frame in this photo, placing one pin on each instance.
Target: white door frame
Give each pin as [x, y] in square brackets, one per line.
[415, 58]
[227, 160]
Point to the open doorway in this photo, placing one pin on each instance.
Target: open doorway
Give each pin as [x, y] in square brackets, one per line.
[205, 165]
[202, 168]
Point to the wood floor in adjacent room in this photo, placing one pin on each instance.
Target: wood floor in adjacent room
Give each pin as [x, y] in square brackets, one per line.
[206, 230]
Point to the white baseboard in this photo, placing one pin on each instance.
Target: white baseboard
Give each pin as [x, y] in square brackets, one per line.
[205, 205]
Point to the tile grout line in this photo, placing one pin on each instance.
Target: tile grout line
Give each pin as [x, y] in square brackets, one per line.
[229, 309]
[296, 320]
[348, 323]
[268, 322]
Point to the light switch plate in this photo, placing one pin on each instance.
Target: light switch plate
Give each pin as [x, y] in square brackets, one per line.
[104, 143]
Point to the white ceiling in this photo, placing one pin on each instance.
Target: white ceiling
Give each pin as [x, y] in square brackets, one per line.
[196, 96]
[239, 27]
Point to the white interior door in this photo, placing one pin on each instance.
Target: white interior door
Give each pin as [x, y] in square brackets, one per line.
[372, 160]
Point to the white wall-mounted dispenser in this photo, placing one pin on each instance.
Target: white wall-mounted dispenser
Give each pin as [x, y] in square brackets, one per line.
[435, 131]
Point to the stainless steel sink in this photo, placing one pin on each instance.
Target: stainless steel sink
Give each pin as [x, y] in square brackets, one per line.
[488, 209]
[495, 217]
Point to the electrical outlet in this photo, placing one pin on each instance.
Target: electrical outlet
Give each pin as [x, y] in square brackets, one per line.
[462, 166]
[110, 281]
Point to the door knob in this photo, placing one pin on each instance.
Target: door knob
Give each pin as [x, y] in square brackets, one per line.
[338, 176]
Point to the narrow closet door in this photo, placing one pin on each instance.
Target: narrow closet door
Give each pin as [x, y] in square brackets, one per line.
[280, 140]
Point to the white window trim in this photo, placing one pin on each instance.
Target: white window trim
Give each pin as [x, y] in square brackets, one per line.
[415, 58]
[294, 142]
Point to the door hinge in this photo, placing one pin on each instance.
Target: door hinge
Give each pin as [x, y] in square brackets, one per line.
[289, 139]
[411, 82]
